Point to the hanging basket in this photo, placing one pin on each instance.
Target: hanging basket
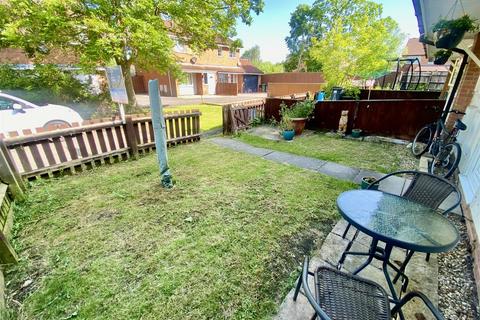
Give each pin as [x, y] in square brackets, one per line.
[449, 38]
[442, 57]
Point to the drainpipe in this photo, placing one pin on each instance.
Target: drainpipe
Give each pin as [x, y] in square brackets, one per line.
[452, 95]
[458, 79]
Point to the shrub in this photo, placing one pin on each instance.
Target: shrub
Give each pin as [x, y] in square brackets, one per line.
[464, 23]
[45, 78]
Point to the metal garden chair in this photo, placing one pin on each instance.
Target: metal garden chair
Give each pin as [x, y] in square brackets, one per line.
[340, 296]
[424, 188]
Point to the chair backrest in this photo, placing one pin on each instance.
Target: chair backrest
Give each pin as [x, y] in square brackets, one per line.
[430, 190]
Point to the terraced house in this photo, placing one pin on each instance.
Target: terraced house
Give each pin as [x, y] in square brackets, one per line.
[218, 71]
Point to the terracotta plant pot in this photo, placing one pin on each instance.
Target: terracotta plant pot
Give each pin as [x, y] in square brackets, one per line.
[298, 125]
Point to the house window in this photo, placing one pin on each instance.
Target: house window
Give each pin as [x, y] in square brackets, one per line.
[219, 51]
[205, 78]
[227, 78]
[232, 53]
[187, 80]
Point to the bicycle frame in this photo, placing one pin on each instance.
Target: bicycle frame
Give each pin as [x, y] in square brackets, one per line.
[438, 141]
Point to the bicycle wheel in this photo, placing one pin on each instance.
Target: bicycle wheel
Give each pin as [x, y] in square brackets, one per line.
[422, 141]
[446, 161]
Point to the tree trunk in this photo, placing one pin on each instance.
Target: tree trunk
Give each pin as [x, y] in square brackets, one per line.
[132, 100]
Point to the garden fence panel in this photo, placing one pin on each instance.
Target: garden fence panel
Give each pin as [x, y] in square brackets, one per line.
[82, 147]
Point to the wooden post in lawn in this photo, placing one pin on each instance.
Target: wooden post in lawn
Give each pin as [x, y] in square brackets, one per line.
[159, 132]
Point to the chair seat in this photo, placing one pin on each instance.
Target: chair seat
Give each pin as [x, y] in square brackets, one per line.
[344, 296]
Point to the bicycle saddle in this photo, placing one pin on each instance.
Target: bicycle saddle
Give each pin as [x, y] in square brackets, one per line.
[460, 125]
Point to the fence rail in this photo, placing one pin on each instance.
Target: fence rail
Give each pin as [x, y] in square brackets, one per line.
[239, 116]
[395, 118]
[7, 253]
[78, 148]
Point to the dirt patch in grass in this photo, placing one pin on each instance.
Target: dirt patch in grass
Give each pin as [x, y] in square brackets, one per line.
[110, 243]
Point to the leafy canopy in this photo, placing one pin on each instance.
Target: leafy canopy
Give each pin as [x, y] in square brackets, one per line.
[352, 39]
[140, 32]
[253, 54]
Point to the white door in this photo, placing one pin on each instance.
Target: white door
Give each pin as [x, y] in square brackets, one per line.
[186, 87]
[470, 162]
[211, 82]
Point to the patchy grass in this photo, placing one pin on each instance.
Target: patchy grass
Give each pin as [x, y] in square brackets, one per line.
[110, 243]
[382, 157]
[211, 117]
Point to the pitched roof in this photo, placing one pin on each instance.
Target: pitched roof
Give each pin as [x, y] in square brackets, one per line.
[414, 48]
[248, 67]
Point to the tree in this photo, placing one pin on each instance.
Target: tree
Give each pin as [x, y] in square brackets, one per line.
[303, 64]
[270, 67]
[126, 32]
[352, 39]
[252, 54]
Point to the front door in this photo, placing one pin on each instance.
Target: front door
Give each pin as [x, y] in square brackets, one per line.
[211, 82]
[186, 85]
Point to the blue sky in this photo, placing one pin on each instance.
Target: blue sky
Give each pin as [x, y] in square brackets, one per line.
[270, 28]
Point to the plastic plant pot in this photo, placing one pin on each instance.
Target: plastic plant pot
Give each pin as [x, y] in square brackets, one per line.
[367, 181]
[356, 133]
[288, 135]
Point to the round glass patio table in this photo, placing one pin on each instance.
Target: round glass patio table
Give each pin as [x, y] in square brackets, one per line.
[398, 221]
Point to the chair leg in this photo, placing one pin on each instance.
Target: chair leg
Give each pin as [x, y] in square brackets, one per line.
[346, 230]
[427, 258]
[297, 288]
[346, 251]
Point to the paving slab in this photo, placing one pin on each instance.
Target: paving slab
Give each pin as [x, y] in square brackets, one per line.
[339, 171]
[266, 132]
[423, 275]
[240, 146]
[299, 161]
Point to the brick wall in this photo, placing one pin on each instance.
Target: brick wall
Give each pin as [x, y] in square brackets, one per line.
[211, 57]
[465, 91]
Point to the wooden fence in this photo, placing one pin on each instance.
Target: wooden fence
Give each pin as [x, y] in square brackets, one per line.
[78, 148]
[7, 253]
[394, 118]
[239, 116]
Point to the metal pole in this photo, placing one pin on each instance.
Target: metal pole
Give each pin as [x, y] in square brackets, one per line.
[159, 132]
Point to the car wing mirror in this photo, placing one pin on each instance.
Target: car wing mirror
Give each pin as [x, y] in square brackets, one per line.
[17, 107]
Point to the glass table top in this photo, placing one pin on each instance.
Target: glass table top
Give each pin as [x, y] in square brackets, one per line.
[398, 221]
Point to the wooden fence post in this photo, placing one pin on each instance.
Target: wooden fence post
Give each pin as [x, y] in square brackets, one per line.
[7, 253]
[227, 119]
[131, 137]
[9, 174]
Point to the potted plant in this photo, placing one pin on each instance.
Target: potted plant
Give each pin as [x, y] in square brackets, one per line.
[286, 128]
[449, 33]
[367, 181]
[442, 56]
[356, 133]
[299, 114]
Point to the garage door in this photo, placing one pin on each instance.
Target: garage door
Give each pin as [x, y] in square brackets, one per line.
[186, 86]
[250, 83]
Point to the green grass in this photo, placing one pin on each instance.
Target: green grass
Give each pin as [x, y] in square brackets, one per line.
[110, 243]
[211, 117]
[382, 157]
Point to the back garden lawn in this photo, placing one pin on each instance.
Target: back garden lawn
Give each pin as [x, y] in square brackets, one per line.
[376, 156]
[224, 243]
[211, 115]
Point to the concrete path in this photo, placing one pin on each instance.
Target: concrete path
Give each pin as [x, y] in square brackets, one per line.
[328, 168]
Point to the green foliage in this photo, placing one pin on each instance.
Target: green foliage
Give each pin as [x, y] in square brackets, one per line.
[270, 67]
[252, 54]
[355, 42]
[60, 83]
[125, 32]
[352, 91]
[307, 64]
[301, 109]
[464, 23]
[443, 53]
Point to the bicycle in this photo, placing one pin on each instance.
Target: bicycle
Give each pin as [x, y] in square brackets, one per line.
[441, 144]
